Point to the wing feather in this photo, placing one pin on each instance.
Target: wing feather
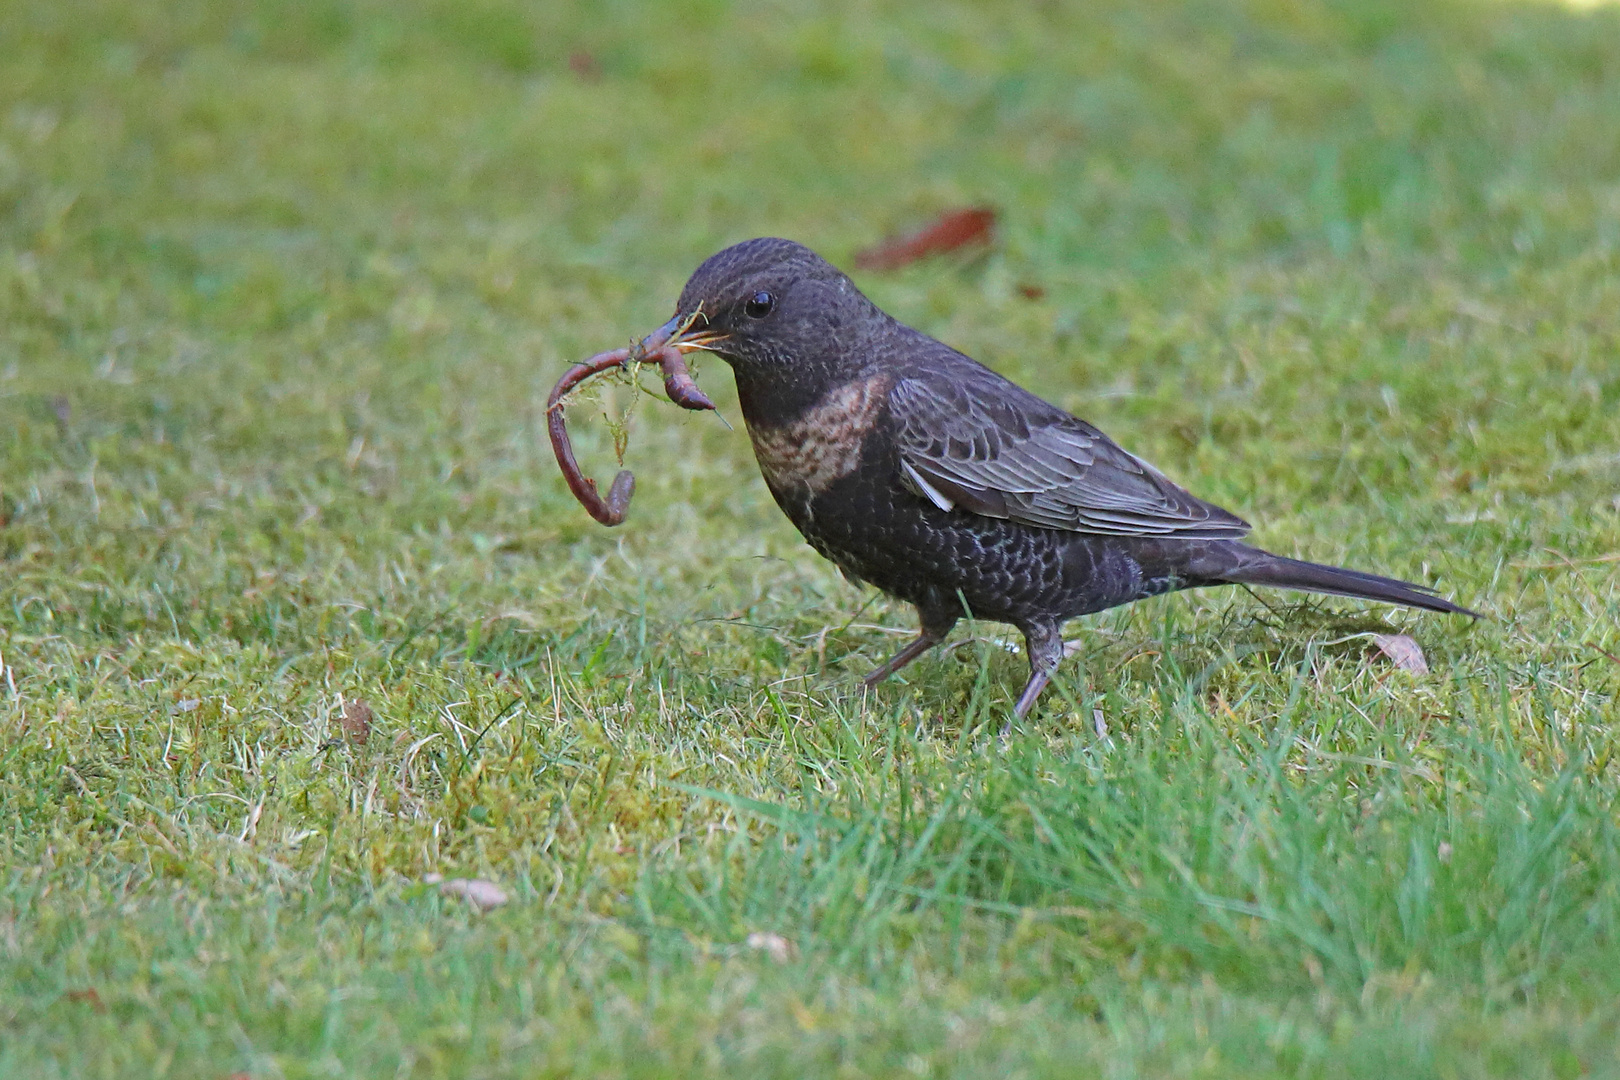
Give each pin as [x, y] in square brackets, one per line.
[969, 438]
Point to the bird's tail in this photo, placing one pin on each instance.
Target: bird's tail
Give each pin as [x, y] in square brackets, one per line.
[1256, 567]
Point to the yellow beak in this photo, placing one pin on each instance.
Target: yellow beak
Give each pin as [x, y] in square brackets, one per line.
[685, 332]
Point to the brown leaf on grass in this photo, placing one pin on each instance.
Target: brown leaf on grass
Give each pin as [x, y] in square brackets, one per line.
[357, 720]
[950, 231]
[584, 66]
[1403, 652]
[89, 997]
[481, 894]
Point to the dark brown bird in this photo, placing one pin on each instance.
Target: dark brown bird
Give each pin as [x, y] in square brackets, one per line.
[920, 471]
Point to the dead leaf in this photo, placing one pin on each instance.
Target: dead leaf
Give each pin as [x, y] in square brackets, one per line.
[950, 231]
[89, 997]
[481, 894]
[357, 720]
[250, 825]
[1403, 652]
[584, 66]
[775, 946]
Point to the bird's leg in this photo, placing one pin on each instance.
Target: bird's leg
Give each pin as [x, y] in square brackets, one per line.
[1044, 644]
[935, 626]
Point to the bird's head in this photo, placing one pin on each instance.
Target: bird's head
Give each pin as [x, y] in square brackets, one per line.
[770, 308]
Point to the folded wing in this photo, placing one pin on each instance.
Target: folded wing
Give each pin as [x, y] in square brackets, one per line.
[971, 439]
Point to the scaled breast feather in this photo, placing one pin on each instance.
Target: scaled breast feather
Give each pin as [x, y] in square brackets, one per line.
[825, 443]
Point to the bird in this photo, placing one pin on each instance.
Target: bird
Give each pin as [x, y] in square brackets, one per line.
[918, 470]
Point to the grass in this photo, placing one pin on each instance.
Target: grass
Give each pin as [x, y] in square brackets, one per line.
[282, 288]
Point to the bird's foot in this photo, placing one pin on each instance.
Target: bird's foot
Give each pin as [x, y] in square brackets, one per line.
[1026, 700]
[924, 642]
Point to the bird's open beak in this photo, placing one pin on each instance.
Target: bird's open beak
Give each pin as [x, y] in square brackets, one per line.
[685, 332]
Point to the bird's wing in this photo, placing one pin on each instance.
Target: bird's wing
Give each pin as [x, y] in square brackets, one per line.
[969, 438]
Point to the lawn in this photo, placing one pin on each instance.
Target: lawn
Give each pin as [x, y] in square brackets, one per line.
[283, 286]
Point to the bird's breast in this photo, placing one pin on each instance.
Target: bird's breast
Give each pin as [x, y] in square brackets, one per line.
[822, 444]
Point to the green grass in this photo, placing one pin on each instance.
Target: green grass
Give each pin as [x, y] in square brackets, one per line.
[282, 288]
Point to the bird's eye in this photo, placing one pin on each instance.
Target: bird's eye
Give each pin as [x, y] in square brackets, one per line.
[759, 305]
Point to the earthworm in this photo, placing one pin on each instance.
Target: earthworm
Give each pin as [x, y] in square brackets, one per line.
[678, 383]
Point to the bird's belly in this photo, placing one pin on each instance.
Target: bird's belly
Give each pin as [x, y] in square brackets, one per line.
[878, 532]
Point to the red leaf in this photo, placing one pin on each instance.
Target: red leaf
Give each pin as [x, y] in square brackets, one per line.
[950, 231]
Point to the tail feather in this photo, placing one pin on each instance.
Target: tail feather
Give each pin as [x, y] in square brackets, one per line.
[1282, 573]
